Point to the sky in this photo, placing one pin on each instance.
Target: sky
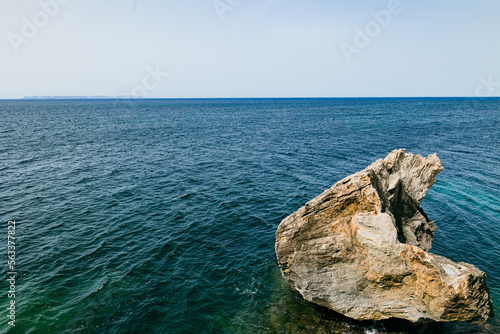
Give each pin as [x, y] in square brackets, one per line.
[249, 48]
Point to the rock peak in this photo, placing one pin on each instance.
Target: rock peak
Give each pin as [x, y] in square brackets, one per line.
[402, 180]
[361, 249]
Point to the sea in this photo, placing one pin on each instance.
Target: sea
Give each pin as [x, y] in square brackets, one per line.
[159, 215]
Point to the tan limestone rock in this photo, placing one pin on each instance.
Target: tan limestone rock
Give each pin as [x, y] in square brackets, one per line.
[361, 249]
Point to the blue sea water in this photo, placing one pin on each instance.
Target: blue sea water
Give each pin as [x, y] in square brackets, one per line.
[158, 216]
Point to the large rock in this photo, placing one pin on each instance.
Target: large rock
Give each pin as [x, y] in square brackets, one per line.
[361, 249]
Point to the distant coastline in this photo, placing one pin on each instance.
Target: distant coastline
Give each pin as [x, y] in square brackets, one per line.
[77, 97]
[99, 97]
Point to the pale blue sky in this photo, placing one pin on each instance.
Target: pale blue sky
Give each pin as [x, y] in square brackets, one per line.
[261, 48]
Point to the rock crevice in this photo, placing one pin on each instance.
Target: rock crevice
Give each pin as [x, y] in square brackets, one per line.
[361, 249]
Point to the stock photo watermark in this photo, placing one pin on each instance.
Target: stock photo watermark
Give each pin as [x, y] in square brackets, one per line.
[372, 29]
[487, 87]
[11, 272]
[31, 27]
[151, 81]
[224, 6]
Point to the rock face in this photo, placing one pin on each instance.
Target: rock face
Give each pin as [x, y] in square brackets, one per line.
[361, 249]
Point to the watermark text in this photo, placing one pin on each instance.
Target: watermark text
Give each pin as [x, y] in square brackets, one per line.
[30, 27]
[224, 6]
[11, 272]
[487, 86]
[151, 81]
[363, 37]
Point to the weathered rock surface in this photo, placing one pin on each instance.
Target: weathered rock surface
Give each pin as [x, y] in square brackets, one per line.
[361, 249]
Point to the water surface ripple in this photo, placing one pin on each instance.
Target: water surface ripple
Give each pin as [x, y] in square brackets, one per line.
[158, 216]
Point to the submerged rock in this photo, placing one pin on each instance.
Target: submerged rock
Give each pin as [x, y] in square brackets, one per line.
[361, 249]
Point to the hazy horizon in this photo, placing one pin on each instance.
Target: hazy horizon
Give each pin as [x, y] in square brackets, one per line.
[90, 97]
[243, 49]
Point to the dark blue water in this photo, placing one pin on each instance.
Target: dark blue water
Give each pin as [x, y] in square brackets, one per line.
[158, 216]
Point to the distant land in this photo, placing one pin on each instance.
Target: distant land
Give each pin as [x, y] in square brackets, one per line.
[78, 97]
[100, 97]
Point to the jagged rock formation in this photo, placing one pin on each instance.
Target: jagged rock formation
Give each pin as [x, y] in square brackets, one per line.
[361, 249]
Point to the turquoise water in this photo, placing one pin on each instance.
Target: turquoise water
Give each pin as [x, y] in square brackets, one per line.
[158, 216]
